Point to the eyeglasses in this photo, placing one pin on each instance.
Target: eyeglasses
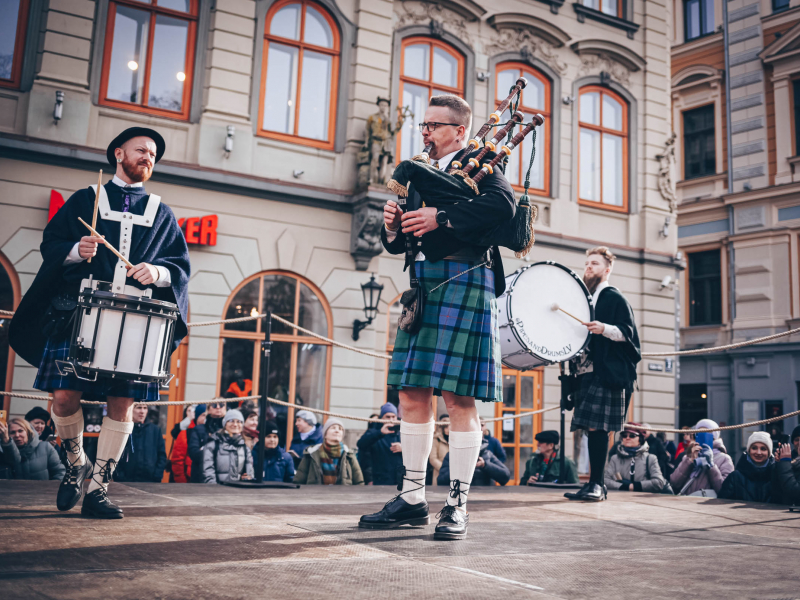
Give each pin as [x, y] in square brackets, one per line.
[216, 405]
[628, 434]
[433, 125]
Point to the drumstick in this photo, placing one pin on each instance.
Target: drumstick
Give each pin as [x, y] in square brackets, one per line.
[556, 307]
[109, 246]
[96, 204]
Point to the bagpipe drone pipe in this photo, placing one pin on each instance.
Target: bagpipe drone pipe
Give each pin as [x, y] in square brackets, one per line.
[440, 189]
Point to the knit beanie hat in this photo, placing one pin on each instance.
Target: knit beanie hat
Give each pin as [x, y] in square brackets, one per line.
[232, 415]
[760, 436]
[388, 408]
[708, 424]
[270, 428]
[199, 410]
[307, 416]
[37, 413]
[795, 434]
[330, 422]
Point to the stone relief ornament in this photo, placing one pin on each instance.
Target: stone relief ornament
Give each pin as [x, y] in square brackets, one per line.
[528, 45]
[596, 63]
[376, 157]
[365, 232]
[439, 19]
[666, 168]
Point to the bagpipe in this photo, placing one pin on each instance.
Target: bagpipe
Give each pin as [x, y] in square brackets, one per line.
[439, 188]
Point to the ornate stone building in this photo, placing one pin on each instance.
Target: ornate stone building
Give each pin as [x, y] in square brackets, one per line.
[264, 104]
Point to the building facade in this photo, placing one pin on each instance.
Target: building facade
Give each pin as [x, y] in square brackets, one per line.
[263, 105]
[735, 101]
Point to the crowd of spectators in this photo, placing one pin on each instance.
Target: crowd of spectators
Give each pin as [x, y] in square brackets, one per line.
[215, 444]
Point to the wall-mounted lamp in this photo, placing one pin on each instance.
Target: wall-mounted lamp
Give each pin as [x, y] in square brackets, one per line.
[667, 282]
[297, 172]
[372, 296]
[481, 76]
[664, 231]
[567, 100]
[229, 140]
[58, 109]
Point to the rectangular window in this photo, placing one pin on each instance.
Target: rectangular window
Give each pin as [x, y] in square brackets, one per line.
[12, 40]
[699, 142]
[698, 18]
[796, 100]
[693, 404]
[779, 5]
[609, 7]
[705, 288]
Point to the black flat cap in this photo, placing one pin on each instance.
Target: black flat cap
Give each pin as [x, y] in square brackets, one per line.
[133, 132]
[548, 437]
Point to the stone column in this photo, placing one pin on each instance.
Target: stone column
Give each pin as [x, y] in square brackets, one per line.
[783, 135]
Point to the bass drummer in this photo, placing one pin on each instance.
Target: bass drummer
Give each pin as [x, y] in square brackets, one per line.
[41, 329]
[607, 372]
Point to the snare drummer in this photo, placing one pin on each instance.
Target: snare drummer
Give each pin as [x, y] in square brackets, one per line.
[41, 329]
[607, 372]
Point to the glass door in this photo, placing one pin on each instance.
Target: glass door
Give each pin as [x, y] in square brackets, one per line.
[522, 392]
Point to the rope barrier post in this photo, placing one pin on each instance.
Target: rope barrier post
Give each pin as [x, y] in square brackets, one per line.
[266, 348]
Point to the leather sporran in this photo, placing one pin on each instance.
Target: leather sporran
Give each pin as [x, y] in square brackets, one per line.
[59, 315]
[413, 303]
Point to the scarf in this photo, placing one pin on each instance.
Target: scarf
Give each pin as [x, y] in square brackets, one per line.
[546, 462]
[251, 433]
[330, 457]
[757, 466]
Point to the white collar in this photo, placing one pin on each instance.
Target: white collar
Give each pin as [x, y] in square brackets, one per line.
[444, 162]
[600, 287]
[117, 181]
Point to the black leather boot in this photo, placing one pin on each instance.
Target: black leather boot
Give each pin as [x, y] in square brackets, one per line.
[591, 492]
[452, 524]
[96, 505]
[71, 488]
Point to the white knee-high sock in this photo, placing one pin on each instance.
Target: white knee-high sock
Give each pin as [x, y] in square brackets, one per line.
[70, 430]
[465, 447]
[417, 441]
[110, 445]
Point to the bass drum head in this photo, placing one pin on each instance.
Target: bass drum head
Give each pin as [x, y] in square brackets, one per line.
[546, 334]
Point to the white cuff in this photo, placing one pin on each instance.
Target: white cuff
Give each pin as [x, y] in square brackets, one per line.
[164, 277]
[390, 235]
[74, 256]
[613, 333]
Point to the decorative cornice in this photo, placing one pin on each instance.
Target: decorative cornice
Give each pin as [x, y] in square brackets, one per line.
[550, 33]
[584, 12]
[710, 75]
[626, 57]
[471, 11]
[701, 44]
[777, 50]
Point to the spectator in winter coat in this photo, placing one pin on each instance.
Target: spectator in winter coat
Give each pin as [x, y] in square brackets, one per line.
[704, 464]
[685, 439]
[488, 469]
[278, 464]
[309, 433]
[179, 460]
[331, 462]
[786, 476]
[656, 448]
[545, 465]
[364, 457]
[633, 468]
[144, 457]
[25, 455]
[199, 436]
[250, 429]
[441, 446]
[494, 444]
[752, 479]
[795, 440]
[42, 424]
[669, 446]
[384, 448]
[226, 457]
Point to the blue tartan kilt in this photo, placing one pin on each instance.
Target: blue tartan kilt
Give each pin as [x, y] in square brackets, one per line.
[48, 378]
[599, 407]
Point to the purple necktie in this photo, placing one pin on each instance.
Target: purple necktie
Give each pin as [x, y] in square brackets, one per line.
[126, 204]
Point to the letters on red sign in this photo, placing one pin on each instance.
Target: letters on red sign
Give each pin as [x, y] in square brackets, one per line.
[192, 229]
[200, 230]
[56, 202]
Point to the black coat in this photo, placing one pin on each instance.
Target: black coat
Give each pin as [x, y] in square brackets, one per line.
[748, 483]
[615, 362]
[493, 470]
[162, 244]
[385, 463]
[145, 457]
[786, 482]
[657, 449]
[476, 216]
[196, 438]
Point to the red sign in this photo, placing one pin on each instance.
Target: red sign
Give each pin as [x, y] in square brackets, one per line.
[56, 202]
[200, 230]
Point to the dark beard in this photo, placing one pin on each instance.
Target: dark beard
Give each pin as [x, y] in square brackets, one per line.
[592, 282]
[135, 172]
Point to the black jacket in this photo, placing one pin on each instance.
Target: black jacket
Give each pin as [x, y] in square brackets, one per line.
[493, 470]
[144, 458]
[385, 463]
[786, 482]
[749, 483]
[658, 450]
[196, 438]
[615, 362]
[495, 205]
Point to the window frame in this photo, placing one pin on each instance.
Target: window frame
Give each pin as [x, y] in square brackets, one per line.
[796, 116]
[433, 42]
[620, 8]
[19, 47]
[501, 410]
[294, 339]
[713, 136]
[546, 112]
[624, 133]
[703, 8]
[779, 9]
[335, 53]
[16, 290]
[690, 280]
[192, 17]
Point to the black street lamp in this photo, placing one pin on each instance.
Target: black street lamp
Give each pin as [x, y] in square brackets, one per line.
[372, 296]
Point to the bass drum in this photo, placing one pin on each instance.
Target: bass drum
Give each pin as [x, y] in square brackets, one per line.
[532, 334]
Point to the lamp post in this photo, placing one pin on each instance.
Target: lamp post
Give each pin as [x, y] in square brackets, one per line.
[372, 296]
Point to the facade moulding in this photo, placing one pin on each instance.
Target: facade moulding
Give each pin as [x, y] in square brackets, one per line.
[702, 44]
[771, 193]
[550, 33]
[625, 253]
[625, 56]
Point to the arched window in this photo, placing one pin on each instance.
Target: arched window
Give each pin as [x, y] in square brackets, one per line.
[427, 68]
[299, 74]
[12, 42]
[149, 56]
[603, 149]
[300, 365]
[9, 298]
[536, 98]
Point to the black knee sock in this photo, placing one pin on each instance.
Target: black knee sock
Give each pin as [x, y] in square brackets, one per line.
[598, 452]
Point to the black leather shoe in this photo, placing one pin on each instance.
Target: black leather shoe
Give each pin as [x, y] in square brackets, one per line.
[590, 492]
[71, 488]
[574, 495]
[452, 524]
[96, 505]
[397, 512]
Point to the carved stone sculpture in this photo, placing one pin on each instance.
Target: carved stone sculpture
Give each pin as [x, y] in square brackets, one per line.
[365, 231]
[379, 142]
[666, 182]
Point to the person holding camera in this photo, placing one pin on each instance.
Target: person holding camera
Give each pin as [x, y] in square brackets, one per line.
[383, 446]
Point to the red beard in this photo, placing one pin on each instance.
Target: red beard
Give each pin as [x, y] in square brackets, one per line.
[137, 172]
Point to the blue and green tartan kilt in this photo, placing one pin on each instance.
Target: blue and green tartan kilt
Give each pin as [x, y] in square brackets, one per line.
[597, 406]
[48, 378]
[457, 348]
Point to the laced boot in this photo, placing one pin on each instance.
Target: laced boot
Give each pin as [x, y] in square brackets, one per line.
[71, 488]
[452, 522]
[590, 492]
[96, 504]
[397, 511]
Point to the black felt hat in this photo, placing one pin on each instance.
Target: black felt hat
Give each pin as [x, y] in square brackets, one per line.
[548, 437]
[133, 132]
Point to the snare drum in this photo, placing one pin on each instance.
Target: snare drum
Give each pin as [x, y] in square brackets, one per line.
[120, 336]
[532, 334]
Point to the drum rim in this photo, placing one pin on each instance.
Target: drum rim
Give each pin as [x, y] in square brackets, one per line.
[128, 298]
[510, 290]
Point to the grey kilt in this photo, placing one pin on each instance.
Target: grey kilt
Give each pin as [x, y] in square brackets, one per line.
[599, 407]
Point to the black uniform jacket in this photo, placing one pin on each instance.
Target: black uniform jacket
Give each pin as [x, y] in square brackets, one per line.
[471, 218]
[615, 362]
